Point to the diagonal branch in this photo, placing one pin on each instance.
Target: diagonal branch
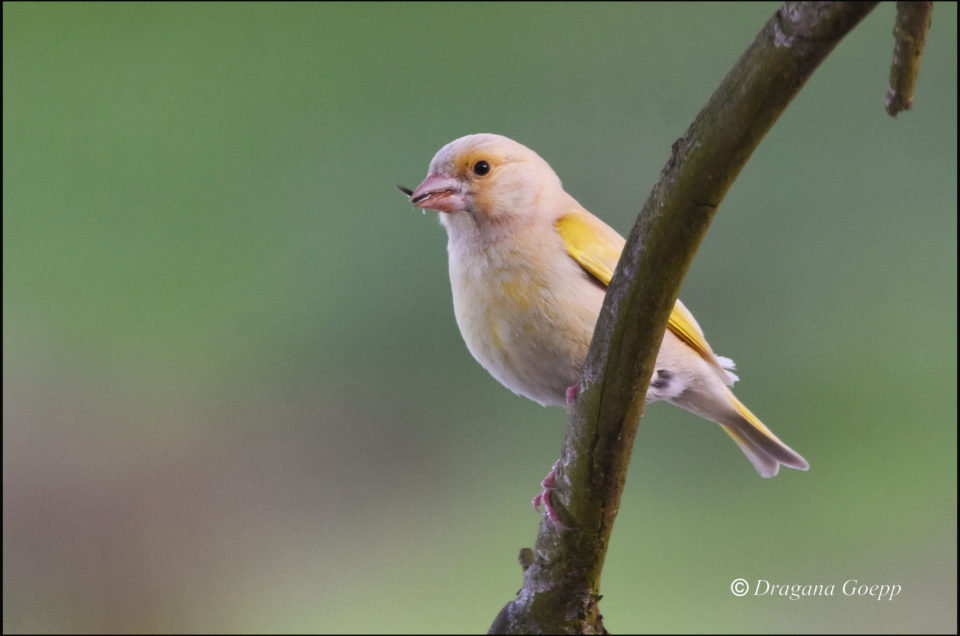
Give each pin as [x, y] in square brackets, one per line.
[560, 591]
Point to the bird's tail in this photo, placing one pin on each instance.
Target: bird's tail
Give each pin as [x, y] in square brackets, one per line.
[764, 449]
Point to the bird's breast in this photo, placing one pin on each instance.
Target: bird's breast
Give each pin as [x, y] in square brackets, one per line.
[528, 322]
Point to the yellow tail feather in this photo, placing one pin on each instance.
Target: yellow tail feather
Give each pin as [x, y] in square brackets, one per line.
[764, 449]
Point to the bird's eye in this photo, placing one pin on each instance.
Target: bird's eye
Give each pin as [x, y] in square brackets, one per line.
[481, 168]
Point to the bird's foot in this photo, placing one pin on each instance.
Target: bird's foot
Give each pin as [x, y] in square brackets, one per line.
[544, 497]
[572, 393]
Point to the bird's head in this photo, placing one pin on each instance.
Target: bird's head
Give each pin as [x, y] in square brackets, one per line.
[490, 180]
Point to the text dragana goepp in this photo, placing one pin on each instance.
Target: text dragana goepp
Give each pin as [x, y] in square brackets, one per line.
[850, 587]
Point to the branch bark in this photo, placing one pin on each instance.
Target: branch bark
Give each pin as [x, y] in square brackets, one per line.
[560, 591]
[910, 31]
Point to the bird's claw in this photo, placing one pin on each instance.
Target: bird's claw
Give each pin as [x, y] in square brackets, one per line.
[572, 393]
[544, 497]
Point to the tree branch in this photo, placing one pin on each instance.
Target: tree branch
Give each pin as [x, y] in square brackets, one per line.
[560, 591]
[910, 31]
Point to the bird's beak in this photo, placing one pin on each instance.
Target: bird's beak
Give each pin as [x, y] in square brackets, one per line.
[437, 192]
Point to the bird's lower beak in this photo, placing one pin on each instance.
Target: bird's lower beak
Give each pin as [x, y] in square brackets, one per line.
[437, 192]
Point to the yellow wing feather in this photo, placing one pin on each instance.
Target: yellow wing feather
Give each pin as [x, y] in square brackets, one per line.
[597, 247]
[592, 243]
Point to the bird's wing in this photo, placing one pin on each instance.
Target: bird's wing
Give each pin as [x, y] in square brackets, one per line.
[597, 247]
[592, 243]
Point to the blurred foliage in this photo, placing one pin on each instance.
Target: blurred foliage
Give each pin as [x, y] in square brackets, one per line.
[235, 398]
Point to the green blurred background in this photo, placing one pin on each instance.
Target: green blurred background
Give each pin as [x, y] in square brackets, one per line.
[236, 399]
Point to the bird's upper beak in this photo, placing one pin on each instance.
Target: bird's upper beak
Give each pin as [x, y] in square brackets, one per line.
[439, 192]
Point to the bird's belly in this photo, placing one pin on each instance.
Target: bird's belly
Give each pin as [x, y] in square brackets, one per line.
[532, 340]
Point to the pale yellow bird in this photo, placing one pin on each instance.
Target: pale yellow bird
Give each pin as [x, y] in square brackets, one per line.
[529, 267]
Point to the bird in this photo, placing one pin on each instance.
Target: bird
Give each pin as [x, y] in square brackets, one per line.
[529, 267]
